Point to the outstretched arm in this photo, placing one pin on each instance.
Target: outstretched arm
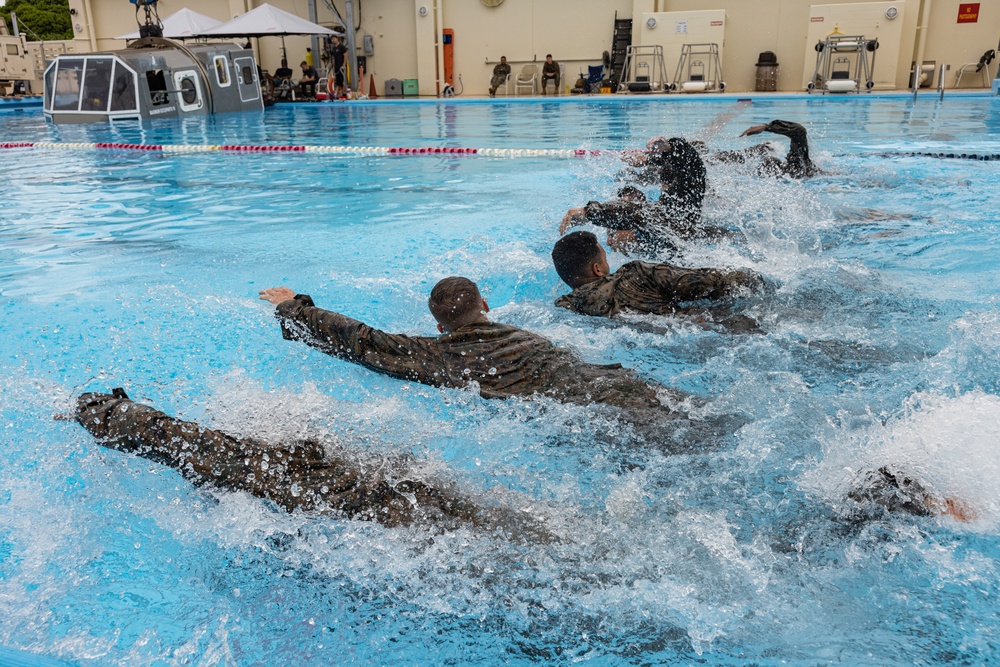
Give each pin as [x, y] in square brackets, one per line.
[403, 357]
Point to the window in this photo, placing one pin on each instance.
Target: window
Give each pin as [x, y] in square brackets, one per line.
[67, 89]
[157, 87]
[222, 70]
[123, 89]
[247, 74]
[50, 80]
[97, 84]
[189, 92]
[12, 50]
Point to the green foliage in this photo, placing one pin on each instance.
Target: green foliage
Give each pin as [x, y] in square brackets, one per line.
[48, 19]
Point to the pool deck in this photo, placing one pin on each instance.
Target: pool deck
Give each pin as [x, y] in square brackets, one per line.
[673, 97]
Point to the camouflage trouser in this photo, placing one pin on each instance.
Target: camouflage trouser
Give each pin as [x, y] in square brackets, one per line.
[295, 476]
[545, 79]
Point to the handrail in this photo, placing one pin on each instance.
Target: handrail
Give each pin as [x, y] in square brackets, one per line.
[944, 68]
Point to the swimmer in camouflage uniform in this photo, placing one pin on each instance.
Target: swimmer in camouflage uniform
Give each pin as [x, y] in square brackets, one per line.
[296, 476]
[502, 360]
[661, 289]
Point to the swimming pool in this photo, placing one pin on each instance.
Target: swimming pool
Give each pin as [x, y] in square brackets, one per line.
[141, 270]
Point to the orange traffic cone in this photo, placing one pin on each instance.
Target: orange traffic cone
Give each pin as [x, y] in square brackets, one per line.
[371, 88]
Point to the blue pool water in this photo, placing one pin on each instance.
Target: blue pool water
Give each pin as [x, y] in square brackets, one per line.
[882, 344]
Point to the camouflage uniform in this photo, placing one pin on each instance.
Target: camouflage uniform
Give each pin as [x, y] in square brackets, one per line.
[295, 476]
[503, 360]
[681, 174]
[797, 163]
[660, 289]
[500, 74]
[550, 69]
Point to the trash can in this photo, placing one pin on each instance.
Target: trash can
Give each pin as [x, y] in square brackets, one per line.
[393, 88]
[410, 88]
[767, 72]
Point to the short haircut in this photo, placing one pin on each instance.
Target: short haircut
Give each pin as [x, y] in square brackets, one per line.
[303, 63]
[548, 55]
[631, 192]
[573, 255]
[503, 57]
[455, 301]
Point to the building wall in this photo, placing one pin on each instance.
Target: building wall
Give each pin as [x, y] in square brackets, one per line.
[577, 32]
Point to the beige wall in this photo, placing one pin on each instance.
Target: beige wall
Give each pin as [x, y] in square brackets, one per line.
[962, 43]
[864, 19]
[576, 32]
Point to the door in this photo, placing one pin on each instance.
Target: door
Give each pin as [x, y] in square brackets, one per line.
[246, 76]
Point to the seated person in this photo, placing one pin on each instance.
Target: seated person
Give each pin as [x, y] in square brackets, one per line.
[502, 360]
[661, 289]
[796, 164]
[500, 74]
[550, 73]
[307, 84]
[681, 174]
[295, 476]
[282, 77]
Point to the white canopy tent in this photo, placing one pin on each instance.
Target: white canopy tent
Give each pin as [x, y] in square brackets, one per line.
[267, 20]
[182, 24]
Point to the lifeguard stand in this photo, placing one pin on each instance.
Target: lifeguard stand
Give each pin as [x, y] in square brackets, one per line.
[842, 63]
[644, 70]
[699, 70]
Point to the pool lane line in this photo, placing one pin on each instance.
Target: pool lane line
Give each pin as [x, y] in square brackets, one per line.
[337, 150]
[940, 156]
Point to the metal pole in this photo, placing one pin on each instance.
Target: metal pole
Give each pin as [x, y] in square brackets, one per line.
[352, 55]
[13, 24]
[314, 39]
[918, 66]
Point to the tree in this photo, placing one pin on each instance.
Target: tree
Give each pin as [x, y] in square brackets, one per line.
[48, 19]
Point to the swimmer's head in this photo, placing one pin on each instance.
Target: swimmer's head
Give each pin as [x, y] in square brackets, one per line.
[897, 492]
[699, 146]
[631, 193]
[455, 302]
[579, 259]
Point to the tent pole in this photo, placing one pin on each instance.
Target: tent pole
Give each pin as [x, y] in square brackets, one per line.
[314, 39]
[352, 54]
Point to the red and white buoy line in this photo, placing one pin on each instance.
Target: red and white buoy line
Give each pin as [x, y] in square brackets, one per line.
[335, 150]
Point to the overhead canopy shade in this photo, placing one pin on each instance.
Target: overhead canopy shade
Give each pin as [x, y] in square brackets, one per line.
[263, 21]
[181, 25]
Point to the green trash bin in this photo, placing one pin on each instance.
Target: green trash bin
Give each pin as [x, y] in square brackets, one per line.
[410, 88]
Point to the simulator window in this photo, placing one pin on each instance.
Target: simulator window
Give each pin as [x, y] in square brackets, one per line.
[157, 87]
[67, 89]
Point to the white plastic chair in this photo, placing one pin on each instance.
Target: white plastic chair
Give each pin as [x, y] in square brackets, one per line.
[527, 77]
[505, 87]
[971, 67]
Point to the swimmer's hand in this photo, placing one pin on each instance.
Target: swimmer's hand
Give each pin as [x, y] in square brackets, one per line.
[276, 295]
[622, 240]
[756, 129]
[575, 216]
[957, 509]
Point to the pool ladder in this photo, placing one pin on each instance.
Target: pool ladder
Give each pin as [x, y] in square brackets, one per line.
[940, 86]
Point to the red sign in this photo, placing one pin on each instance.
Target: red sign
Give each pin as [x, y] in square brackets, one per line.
[816, 19]
[968, 12]
[715, 23]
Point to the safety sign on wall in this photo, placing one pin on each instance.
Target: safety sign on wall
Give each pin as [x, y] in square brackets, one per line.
[968, 12]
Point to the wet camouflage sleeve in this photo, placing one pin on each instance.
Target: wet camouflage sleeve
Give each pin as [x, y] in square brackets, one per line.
[797, 162]
[396, 355]
[615, 214]
[295, 477]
